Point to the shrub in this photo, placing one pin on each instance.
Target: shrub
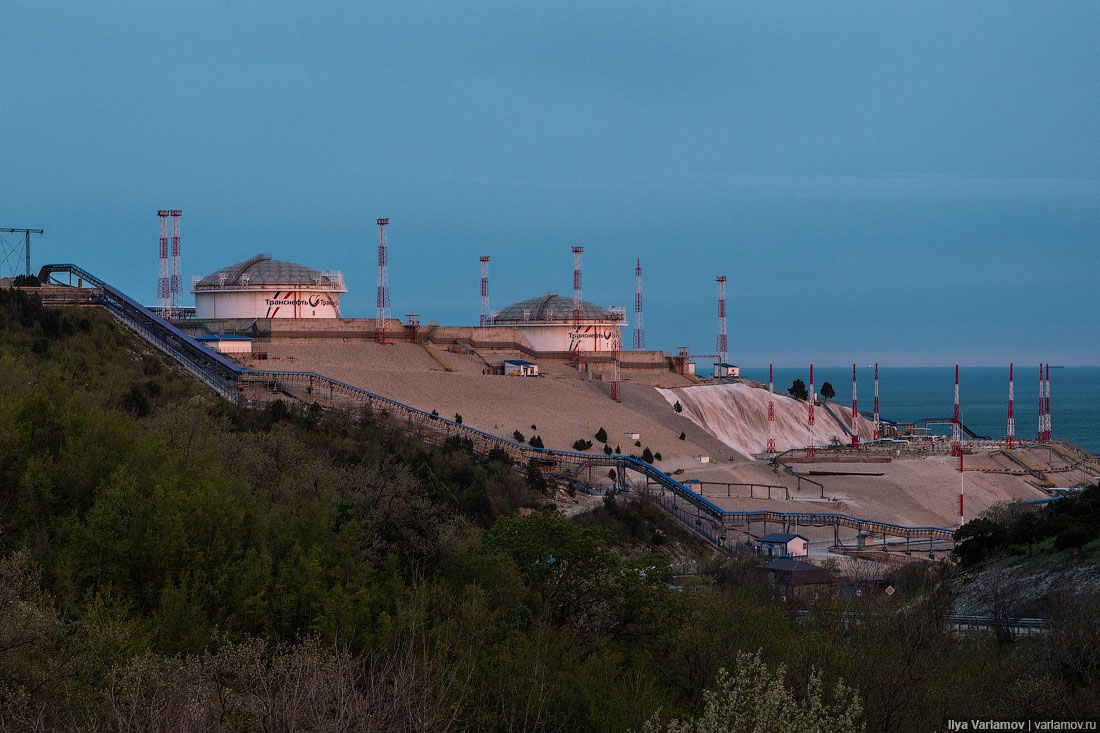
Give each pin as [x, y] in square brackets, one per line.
[682, 436]
[657, 456]
[458, 418]
[536, 442]
[582, 444]
[601, 435]
[518, 436]
[647, 455]
[607, 449]
[678, 407]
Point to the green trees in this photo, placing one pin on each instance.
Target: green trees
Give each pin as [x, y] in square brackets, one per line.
[678, 407]
[288, 567]
[827, 391]
[798, 390]
[601, 435]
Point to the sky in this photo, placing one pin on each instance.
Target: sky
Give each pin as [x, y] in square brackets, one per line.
[912, 184]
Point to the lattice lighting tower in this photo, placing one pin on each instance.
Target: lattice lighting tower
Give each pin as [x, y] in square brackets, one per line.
[176, 284]
[962, 515]
[1011, 440]
[855, 412]
[164, 291]
[771, 413]
[723, 351]
[1047, 435]
[616, 357]
[484, 290]
[1042, 417]
[639, 329]
[956, 422]
[877, 434]
[575, 354]
[383, 284]
[810, 421]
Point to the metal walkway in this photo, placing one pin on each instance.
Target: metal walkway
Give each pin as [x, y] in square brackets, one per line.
[235, 383]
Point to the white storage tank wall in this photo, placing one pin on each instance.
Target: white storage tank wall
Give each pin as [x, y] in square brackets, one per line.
[589, 337]
[266, 304]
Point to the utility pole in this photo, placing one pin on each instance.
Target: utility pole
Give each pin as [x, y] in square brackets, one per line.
[27, 239]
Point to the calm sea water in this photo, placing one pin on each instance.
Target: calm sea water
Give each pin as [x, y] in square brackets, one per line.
[912, 393]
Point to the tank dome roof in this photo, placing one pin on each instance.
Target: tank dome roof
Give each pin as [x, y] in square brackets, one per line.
[550, 307]
[262, 270]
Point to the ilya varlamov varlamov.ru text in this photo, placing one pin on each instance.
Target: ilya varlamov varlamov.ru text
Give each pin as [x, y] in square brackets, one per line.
[1027, 725]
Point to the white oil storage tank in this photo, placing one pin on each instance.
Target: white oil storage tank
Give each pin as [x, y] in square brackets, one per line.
[261, 287]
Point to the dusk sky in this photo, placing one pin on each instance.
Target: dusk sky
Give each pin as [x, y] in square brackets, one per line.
[910, 184]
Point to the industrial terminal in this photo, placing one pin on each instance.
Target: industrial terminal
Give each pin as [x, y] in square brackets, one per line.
[731, 458]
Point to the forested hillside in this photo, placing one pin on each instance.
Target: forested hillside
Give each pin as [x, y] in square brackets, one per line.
[169, 560]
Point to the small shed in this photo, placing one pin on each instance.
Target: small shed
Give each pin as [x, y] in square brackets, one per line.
[694, 484]
[702, 459]
[520, 368]
[797, 579]
[779, 544]
[633, 436]
[227, 344]
[721, 371]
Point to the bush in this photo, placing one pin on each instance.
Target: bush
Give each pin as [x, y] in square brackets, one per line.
[647, 455]
[601, 435]
[518, 436]
[637, 444]
[682, 436]
[678, 407]
[607, 449]
[657, 456]
[458, 418]
[582, 444]
[536, 442]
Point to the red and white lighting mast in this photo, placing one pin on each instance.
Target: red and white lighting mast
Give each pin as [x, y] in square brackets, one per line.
[771, 413]
[575, 354]
[956, 422]
[1050, 431]
[176, 284]
[723, 351]
[810, 422]
[877, 434]
[956, 443]
[485, 290]
[639, 329]
[383, 284]
[1042, 403]
[1011, 410]
[855, 412]
[163, 287]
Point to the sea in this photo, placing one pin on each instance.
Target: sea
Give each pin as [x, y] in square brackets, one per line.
[914, 393]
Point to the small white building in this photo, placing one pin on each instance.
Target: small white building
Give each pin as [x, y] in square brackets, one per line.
[520, 368]
[633, 436]
[226, 344]
[778, 544]
[723, 371]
